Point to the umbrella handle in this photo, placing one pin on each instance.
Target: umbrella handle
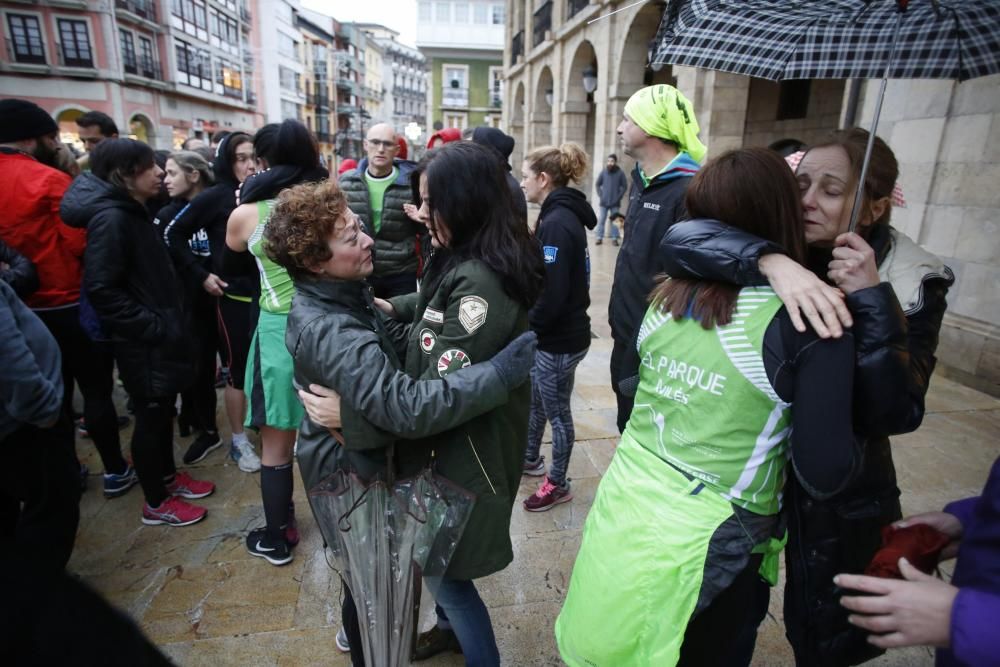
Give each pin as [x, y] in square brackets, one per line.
[901, 6]
[345, 517]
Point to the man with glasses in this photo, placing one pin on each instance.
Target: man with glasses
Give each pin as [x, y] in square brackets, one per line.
[94, 127]
[376, 191]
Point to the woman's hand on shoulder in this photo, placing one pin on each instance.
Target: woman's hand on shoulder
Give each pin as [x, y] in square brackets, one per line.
[387, 308]
[853, 266]
[803, 293]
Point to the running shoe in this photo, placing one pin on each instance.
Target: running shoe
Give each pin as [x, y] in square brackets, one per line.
[343, 645]
[534, 468]
[185, 486]
[172, 512]
[276, 552]
[118, 485]
[202, 446]
[246, 458]
[547, 496]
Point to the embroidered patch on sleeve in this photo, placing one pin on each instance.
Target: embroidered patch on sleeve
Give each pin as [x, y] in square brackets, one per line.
[452, 360]
[427, 340]
[435, 316]
[472, 312]
[550, 252]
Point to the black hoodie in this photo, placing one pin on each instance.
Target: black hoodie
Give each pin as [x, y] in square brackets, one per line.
[559, 317]
[503, 145]
[209, 211]
[131, 284]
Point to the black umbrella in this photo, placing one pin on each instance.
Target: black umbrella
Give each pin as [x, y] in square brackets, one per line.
[834, 39]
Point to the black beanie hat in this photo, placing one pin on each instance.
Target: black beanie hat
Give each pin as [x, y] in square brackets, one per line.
[21, 119]
[490, 136]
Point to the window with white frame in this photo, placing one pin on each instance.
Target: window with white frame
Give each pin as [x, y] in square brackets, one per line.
[442, 12]
[194, 66]
[457, 120]
[424, 11]
[496, 86]
[461, 12]
[480, 13]
[498, 14]
[191, 17]
[26, 38]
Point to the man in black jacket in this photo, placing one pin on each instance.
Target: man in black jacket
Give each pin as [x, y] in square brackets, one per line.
[611, 186]
[660, 132]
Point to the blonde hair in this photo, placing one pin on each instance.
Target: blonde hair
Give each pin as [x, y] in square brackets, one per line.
[564, 164]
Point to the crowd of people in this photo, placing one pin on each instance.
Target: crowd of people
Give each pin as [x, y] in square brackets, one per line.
[404, 316]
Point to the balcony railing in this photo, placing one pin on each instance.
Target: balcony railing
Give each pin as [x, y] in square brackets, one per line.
[251, 98]
[454, 97]
[516, 47]
[541, 23]
[575, 6]
[323, 137]
[144, 9]
[79, 61]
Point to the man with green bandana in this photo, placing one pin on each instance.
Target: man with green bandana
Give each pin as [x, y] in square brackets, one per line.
[660, 132]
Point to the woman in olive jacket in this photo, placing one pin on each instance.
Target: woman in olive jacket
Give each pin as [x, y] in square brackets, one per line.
[484, 275]
[895, 292]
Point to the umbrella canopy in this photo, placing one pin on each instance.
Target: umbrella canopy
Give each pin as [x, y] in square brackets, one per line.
[833, 39]
[382, 536]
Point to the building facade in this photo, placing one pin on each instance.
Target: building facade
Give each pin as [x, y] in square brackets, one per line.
[349, 77]
[282, 67]
[463, 42]
[163, 71]
[569, 81]
[374, 90]
[317, 83]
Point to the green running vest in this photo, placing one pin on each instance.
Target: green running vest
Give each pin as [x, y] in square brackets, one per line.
[276, 286]
[706, 406]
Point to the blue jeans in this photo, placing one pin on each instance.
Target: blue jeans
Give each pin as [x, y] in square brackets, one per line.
[460, 609]
[551, 386]
[605, 213]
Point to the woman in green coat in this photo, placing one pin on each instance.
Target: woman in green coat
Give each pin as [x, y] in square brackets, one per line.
[485, 272]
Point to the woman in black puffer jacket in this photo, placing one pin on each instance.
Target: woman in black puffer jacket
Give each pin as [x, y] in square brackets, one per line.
[895, 292]
[131, 284]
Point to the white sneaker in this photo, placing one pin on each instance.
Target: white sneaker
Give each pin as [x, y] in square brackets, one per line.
[242, 452]
[342, 644]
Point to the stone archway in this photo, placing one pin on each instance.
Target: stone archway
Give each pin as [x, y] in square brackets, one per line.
[579, 114]
[541, 114]
[69, 132]
[517, 128]
[140, 128]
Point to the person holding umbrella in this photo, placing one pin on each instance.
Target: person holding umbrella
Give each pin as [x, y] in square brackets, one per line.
[893, 292]
[731, 401]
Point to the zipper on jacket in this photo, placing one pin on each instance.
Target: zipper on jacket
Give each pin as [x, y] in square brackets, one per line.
[479, 461]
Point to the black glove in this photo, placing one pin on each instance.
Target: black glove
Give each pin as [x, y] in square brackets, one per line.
[514, 362]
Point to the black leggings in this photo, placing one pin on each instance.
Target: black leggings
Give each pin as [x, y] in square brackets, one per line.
[153, 446]
[91, 364]
[199, 400]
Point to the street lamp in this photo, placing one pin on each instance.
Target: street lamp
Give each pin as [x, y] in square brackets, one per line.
[590, 79]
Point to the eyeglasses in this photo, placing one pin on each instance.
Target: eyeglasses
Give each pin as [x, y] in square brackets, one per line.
[378, 143]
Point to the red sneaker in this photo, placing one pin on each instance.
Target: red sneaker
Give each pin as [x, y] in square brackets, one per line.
[186, 486]
[172, 512]
[547, 496]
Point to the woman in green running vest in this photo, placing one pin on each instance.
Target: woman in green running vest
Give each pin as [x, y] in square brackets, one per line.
[730, 400]
[288, 154]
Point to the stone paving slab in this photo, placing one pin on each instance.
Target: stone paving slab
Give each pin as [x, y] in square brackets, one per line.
[206, 601]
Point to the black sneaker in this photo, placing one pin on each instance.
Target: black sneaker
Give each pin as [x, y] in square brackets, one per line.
[434, 641]
[276, 552]
[202, 446]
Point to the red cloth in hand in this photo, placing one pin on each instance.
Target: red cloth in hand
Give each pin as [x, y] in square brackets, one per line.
[920, 544]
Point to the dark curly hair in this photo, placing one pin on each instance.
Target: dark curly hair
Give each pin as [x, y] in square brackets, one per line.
[301, 224]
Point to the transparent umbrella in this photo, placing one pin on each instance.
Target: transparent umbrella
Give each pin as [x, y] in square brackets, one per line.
[383, 536]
